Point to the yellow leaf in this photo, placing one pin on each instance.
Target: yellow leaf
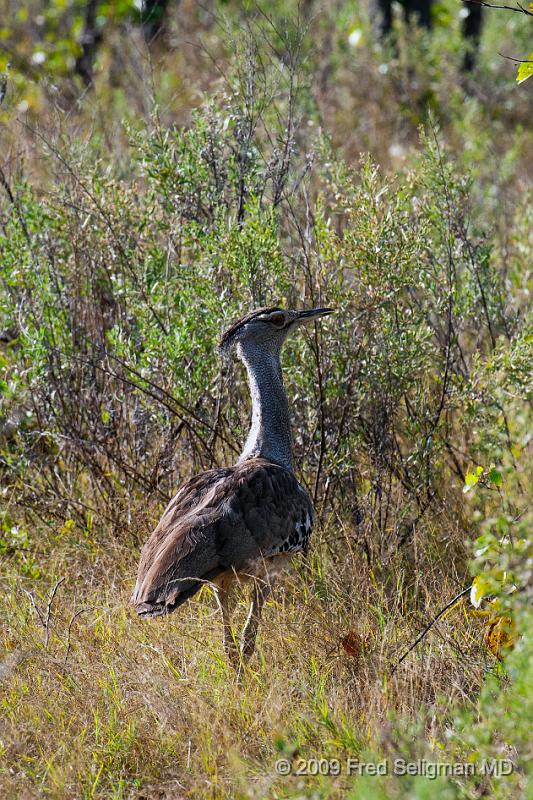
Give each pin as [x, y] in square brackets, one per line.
[525, 69]
[500, 635]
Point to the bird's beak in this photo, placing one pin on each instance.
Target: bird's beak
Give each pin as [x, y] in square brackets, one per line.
[313, 313]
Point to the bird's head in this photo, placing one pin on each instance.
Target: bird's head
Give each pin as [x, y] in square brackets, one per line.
[267, 328]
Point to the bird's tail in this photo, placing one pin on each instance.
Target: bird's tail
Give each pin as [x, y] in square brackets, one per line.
[159, 608]
[159, 603]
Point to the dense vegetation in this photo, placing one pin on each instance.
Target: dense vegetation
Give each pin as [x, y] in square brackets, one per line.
[252, 156]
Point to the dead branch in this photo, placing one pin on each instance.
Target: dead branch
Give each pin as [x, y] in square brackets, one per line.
[428, 627]
[45, 620]
[518, 8]
[69, 630]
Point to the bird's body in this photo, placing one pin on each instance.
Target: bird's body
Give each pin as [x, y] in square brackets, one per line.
[235, 520]
[233, 524]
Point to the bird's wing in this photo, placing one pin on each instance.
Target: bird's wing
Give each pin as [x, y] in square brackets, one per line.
[276, 511]
[221, 520]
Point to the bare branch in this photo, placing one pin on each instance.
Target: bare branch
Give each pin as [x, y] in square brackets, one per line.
[49, 611]
[72, 620]
[45, 620]
[428, 627]
[518, 8]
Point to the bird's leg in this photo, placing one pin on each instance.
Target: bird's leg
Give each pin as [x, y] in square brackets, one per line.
[260, 593]
[226, 600]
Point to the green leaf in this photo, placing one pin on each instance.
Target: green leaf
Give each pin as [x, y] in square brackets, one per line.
[495, 476]
[525, 69]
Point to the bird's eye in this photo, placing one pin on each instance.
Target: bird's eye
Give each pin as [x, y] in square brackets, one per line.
[278, 320]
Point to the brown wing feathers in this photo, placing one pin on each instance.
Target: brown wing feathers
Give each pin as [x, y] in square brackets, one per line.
[220, 520]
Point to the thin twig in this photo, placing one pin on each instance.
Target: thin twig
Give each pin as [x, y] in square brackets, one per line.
[72, 620]
[35, 607]
[518, 8]
[49, 610]
[428, 627]
[516, 60]
[45, 621]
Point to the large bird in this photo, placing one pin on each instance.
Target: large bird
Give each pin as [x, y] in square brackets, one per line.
[232, 524]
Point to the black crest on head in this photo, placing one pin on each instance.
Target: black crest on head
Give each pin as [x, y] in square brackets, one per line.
[230, 333]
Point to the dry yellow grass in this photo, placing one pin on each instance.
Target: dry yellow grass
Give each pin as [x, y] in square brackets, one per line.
[114, 706]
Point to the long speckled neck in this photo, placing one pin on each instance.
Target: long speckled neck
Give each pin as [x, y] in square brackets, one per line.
[270, 430]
